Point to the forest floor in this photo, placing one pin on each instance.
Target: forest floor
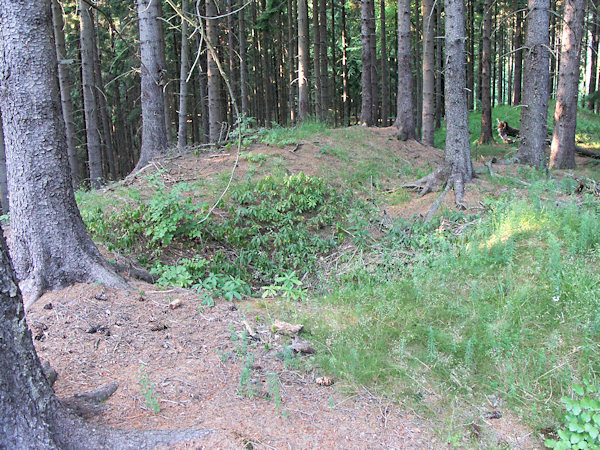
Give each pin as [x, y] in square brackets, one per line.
[224, 368]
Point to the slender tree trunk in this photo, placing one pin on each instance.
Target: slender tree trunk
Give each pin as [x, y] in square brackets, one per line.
[366, 112]
[65, 90]
[405, 119]
[345, 93]
[243, 67]
[486, 90]
[439, 85]
[233, 66]
[385, 69]
[215, 113]
[553, 38]
[500, 77]
[373, 64]
[428, 72]
[534, 112]
[470, 46]
[317, 59]
[562, 154]
[92, 124]
[183, 85]
[50, 246]
[303, 61]
[290, 59]
[595, 30]
[323, 59]
[518, 59]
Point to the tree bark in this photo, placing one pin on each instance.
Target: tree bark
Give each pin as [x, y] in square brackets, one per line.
[345, 93]
[317, 59]
[92, 123]
[518, 59]
[385, 70]
[215, 113]
[154, 131]
[65, 91]
[3, 180]
[243, 66]
[405, 120]
[486, 100]
[595, 30]
[50, 246]
[439, 85]
[324, 61]
[428, 72]
[534, 111]
[562, 155]
[303, 61]
[366, 116]
[183, 85]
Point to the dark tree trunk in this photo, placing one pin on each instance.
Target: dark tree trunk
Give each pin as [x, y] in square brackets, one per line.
[243, 67]
[65, 91]
[373, 54]
[290, 59]
[92, 123]
[486, 101]
[534, 111]
[303, 61]
[50, 246]
[183, 85]
[595, 30]
[202, 75]
[334, 97]
[366, 116]
[562, 155]
[439, 85]
[385, 70]
[215, 113]
[518, 59]
[323, 59]
[428, 72]
[233, 67]
[3, 181]
[345, 93]
[405, 119]
[317, 59]
[154, 132]
[470, 47]
[553, 45]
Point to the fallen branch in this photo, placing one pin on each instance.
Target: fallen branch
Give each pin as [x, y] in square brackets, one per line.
[588, 153]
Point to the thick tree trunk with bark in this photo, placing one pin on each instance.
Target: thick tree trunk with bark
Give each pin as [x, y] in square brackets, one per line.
[366, 116]
[486, 100]
[183, 85]
[428, 72]
[562, 155]
[518, 59]
[65, 91]
[303, 61]
[50, 246]
[456, 170]
[534, 112]
[215, 112]
[154, 131]
[405, 119]
[92, 123]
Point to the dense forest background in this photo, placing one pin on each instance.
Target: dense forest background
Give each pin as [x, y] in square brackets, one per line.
[256, 44]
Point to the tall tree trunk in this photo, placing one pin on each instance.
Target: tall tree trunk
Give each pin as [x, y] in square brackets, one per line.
[303, 61]
[373, 65]
[345, 93]
[215, 113]
[243, 67]
[553, 45]
[500, 77]
[366, 112]
[562, 155]
[92, 124]
[486, 90]
[323, 58]
[233, 66]
[290, 59]
[595, 30]
[109, 151]
[183, 85]
[428, 72]
[518, 59]
[385, 70]
[65, 91]
[405, 119]
[470, 48]
[534, 112]
[50, 246]
[154, 132]
[317, 59]
[439, 85]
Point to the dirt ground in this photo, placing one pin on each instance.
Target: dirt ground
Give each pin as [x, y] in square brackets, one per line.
[189, 360]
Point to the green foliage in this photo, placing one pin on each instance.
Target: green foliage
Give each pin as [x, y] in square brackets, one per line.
[287, 286]
[148, 391]
[281, 137]
[582, 421]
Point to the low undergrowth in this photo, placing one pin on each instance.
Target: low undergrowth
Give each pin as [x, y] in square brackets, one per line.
[504, 306]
